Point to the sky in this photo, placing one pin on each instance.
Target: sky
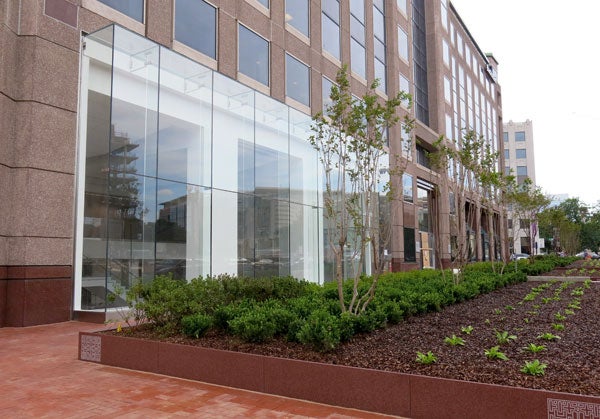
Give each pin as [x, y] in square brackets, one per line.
[549, 71]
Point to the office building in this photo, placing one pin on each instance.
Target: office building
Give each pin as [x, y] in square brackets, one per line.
[519, 160]
[147, 137]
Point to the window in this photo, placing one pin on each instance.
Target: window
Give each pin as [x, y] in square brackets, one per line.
[505, 136]
[423, 157]
[506, 170]
[401, 5]
[297, 80]
[264, 3]
[379, 42]
[132, 8]
[253, 55]
[447, 89]
[506, 154]
[410, 248]
[521, 170]
[196, 26]
[357, 37]
[521, 153]
[510, 223]
[330, 27]
[451, 203]
[297, 15]
[407, 188]
[405, 87]
[445, 53]
[448, 127]
[420, 62]
[402, 44]
[444, 15]
[326, 92]
[520, 136]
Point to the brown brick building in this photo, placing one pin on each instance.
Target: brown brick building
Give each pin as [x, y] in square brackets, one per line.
[143, 137]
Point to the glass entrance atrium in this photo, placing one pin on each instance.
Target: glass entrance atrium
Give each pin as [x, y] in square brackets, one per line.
[184, 171]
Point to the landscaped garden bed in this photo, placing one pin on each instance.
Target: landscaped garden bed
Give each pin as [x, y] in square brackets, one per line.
[468, 340]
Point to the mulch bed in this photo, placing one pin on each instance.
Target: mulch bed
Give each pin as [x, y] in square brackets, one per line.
[573, 362]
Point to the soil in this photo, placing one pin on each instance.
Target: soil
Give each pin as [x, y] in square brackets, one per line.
[573, 361]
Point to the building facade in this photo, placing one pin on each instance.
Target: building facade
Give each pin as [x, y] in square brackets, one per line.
[519, 160]
[149, 137]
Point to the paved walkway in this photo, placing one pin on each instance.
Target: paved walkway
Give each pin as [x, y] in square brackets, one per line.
[40, 377]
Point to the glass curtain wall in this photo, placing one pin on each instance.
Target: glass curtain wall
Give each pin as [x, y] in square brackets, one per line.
[183, 171]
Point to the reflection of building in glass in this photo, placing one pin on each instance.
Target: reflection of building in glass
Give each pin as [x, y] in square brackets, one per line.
[173, 156]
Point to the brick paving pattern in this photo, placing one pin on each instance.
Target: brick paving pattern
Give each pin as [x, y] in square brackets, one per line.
[41, 377]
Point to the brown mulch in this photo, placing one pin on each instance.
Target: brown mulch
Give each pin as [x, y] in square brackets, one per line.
[573, 362]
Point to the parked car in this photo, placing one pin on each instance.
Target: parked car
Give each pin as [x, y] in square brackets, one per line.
[519, 256]
[591, 254]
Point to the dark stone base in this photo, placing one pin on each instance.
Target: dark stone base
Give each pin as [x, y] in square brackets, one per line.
[32, 295]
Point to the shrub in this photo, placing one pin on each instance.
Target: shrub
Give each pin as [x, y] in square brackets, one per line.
[253, 326]
[321, 330]
[196, 325]
[165, 301]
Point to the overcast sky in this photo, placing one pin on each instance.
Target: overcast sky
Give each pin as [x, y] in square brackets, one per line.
[549, 71]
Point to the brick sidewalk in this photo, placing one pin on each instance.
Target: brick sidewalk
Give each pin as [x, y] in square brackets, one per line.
[40, 376]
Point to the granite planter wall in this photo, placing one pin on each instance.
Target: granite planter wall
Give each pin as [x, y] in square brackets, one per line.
[378, 391]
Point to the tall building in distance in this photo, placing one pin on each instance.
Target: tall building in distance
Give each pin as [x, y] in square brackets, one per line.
[519, 160]
[147, 137]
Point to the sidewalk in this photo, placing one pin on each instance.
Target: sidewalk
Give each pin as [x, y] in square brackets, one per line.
[40, 376]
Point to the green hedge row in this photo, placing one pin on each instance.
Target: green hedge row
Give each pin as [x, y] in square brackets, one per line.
[257, 310]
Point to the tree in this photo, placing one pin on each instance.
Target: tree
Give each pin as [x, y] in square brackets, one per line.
[472, 178]
[527, 202]
[350, 136]
[561, 234]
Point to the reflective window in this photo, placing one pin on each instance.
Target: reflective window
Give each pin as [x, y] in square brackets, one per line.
[184, 136]
[520, 136]
[506, 154]
[264, 3]
[405, 87]
[407, 187]
[505, 136]
[189, 173]
[357, 41]
[253, 55]
[297, 80]
[233, 122]
[326, 92]
[447, 90]
[444, 15]
[423, 210]
[330, 27]
[521, 170]
[521, 153]
[402, 44]
[358, 58]
[132, 8]
[196, 26]
[297, 14]
[379, 43]
[448, 127]
[445, 52]
[401, 5]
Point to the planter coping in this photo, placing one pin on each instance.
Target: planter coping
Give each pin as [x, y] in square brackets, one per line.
[409, 395]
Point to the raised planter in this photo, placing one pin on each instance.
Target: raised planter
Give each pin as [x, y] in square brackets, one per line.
[392, 393]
